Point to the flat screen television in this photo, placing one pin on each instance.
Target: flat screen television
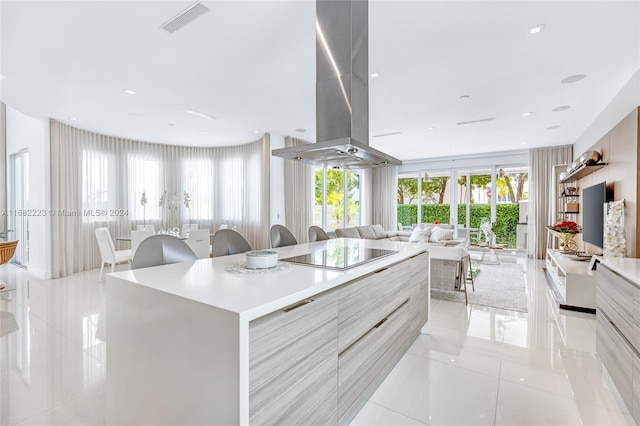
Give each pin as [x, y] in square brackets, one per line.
[593, 198]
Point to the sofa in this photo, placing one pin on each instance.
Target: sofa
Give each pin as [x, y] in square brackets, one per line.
[372, 232]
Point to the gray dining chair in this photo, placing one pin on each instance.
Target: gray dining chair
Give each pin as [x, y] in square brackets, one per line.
[228, 241]
[317, 234]
[281, 237]
[162, 250]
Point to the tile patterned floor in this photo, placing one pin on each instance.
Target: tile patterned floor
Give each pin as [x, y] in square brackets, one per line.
[479, 365]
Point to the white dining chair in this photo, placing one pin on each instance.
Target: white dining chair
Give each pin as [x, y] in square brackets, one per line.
[136, 239]
[198, 240]
[146, 228]
[108, 252]
[187, 227]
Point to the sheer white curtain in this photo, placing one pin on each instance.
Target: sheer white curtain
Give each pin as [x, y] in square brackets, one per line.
[541, 162]
[98, 180]
[384, 189]
[299, 182]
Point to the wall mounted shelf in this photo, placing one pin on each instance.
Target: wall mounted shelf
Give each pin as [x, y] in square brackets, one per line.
[582, 171]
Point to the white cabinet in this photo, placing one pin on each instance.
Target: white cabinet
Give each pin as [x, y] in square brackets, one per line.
[572, 283]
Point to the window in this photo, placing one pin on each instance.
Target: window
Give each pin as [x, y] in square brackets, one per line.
[98, 182]
[330, 200]
[144, 176]
[198, 183]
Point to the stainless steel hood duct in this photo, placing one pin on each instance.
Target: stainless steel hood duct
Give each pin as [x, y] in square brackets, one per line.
[342, 90]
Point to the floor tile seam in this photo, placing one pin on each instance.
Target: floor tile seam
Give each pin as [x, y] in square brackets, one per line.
[464, 368]
[398, 412]
[495, 409]
[479, 353]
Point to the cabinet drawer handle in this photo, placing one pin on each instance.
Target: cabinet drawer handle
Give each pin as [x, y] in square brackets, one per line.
[380, 270]
[382, 321]
[297, 305]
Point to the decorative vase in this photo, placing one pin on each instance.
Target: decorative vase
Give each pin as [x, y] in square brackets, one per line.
[567, 242]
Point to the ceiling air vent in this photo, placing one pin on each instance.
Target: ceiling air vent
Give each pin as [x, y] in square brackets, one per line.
[183, 18]
[482, 120]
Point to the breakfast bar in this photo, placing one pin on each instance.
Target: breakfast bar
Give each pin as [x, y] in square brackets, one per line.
[204, 342]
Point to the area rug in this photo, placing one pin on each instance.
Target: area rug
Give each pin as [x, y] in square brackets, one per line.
[500, 286]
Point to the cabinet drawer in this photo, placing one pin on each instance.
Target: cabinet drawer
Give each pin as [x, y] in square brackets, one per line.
[312, 399]
[362, 303]
[635, 409]
[279, 340]
[363, 366]
[615, 297]
[420, 270]
[617, 357]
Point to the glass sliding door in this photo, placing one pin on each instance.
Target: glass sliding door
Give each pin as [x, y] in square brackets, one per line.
[474, 198]
[436, 197]
[18, 203]
[408, 201]
[512, 185]
[353, 199]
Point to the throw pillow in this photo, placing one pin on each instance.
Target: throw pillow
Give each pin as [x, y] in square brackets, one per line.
[366, 232]
[379, 231]
[420, 235]
[434, 233]
[443, 235]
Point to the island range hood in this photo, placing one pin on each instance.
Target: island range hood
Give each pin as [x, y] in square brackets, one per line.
[342, 91]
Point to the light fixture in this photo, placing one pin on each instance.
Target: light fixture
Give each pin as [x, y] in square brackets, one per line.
[73, 118]
[561, 108]
[171, 124]
[464, 97]
[526, 114]
[431, 128]
[553, 127]
[500, 173]
[129, 91]
[573, 79]
[198, 114]
[256, 131]
[537, 29]
[301, 130]
[374, 74]
[524, 143]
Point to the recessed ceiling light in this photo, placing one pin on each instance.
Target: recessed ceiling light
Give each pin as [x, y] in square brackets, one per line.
[374, 74]
[73, 118]
[524, 143]
[553, 127]
[129, 91]
[537, 29]
[171, 124]
[256, 131]
[199, 114]
[561, 108]
[431, 128]
[573, 78]
[526, 114]
[464, 97]
[301, 130]
[453, 150]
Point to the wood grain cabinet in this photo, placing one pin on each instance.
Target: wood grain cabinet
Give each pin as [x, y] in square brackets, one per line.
[319, 360]
[617, 334]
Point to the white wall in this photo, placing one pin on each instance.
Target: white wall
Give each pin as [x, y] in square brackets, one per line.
[23, 131]
[277, 182]
[622, 104]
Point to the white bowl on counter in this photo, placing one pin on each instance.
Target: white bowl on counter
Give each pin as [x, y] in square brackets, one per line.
[261, 259]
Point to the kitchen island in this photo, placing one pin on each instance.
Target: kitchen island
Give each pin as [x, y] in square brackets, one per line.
[191, 343]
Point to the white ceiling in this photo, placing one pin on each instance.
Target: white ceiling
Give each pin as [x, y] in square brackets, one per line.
[252, 65]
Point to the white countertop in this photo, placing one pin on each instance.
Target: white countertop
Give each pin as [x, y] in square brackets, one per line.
[254, 295]
[628, 267]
